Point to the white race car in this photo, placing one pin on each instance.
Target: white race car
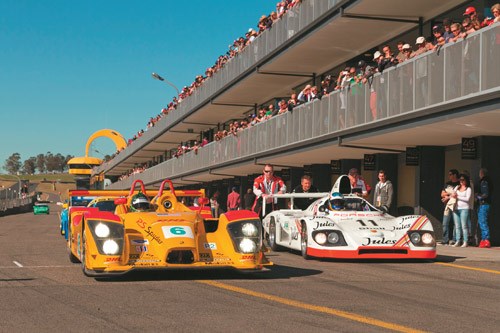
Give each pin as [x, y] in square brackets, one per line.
[356, 231]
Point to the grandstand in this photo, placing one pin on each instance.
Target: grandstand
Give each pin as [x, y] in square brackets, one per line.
[436, 111]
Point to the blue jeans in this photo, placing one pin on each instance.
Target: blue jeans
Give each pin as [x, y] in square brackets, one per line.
[446, 227]
[461, 216]
[482, 216]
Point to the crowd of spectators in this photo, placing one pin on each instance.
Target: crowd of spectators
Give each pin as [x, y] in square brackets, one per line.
[447, 32]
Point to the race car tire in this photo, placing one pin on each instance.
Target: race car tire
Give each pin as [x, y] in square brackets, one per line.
[303, 241]
[272, 236]
[84, 253]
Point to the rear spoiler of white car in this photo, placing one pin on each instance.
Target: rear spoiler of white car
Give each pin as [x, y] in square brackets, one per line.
[291, 196]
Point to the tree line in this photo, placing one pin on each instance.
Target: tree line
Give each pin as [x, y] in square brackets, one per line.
[42, 163]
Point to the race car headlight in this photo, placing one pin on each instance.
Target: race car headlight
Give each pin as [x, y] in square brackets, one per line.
[427, 238]
[110, 247]
[333, 237]
[415, 237]
[248, 246]
[246, 235]
[102, 230]
[422, 238]
[108, 236]
[249, 230]
[320, 238]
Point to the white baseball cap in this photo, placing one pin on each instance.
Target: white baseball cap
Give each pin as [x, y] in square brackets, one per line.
[376, 55]
[420, 40]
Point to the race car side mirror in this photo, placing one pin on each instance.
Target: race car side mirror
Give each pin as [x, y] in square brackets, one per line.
[120, 201]
[203, 201]
[322, 208]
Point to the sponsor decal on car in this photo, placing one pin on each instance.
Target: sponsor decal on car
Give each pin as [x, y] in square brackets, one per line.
[210, 246]
[177, 231]
[139, 242]
[141, 248]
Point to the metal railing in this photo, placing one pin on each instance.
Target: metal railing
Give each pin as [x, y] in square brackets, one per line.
[294, 21]
[457, 72]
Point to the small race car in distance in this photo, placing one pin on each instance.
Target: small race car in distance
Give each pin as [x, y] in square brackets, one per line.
[356, 230]
[162, 233]
[41, 207]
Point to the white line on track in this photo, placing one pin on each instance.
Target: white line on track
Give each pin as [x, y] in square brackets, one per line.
[48, 266]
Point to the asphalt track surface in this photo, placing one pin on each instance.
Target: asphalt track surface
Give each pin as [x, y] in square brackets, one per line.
[41, 291]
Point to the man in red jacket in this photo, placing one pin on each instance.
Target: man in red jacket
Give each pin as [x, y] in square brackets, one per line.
[265, 185]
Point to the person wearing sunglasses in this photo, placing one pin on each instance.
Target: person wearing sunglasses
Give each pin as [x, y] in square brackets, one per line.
[264, 186]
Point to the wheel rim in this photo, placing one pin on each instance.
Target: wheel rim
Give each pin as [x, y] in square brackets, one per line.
[303, 239]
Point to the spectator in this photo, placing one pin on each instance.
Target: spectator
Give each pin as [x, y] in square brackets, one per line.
[406, 53]
[305, 95]
[495, 10]
[249, 199]
[383, 192]
[401, 54]
[214, 204]
[467, 25]
[421, 47]
[233, 200]
[462, 194]
[449, 202]
[358, 186]
[456, 29]
[293, 102]
[265, 185]
[447, 34]
[304, 187]
[283, 106]
[438, 37]
[484, 196]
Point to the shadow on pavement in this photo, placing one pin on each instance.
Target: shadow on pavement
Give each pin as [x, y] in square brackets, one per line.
[270, 273]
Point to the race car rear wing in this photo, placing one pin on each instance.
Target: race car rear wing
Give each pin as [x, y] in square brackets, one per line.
[291, 196]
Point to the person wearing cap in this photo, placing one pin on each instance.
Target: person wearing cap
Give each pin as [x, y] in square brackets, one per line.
[438, 38]
[233, 200]
[406, 52]
[381, 61]
[421, 47]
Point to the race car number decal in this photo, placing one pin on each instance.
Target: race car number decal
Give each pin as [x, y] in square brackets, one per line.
[177, 231]
[210, 246]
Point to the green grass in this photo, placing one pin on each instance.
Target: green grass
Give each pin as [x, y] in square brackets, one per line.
[38, 178]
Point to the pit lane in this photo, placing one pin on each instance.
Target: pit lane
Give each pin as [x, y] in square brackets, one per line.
[43, 291]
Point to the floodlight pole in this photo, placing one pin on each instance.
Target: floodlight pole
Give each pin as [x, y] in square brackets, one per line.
[159, 78]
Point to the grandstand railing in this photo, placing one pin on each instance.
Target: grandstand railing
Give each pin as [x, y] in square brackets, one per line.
[294, 21]
[461, 71]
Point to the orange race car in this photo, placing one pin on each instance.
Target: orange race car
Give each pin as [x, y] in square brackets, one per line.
[161, 232]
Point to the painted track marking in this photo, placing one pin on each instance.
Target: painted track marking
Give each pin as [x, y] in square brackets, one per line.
[311, 307]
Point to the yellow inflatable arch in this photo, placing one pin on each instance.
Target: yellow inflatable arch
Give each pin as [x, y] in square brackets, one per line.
[117, 138]
[83, 165]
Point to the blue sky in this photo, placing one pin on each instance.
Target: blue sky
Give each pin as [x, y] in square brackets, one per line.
[71, 68]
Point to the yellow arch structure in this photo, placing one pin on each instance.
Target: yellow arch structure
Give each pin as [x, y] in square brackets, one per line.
[116, 137]
[83, 165]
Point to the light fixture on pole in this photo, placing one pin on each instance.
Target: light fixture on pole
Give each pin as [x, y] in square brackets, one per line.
[159, 78]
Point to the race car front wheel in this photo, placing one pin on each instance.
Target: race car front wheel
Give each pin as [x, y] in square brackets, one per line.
[84, 253]
[272, 236]
[303, 241]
